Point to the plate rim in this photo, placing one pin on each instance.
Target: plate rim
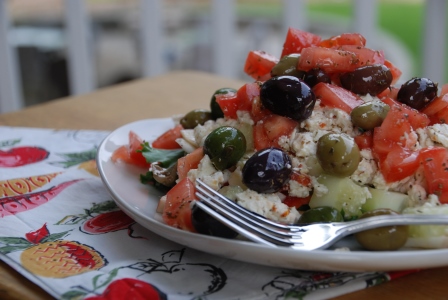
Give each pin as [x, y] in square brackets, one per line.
[330, 260]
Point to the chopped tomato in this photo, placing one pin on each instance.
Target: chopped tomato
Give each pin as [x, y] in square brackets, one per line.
[246, 95]
[302, 179]
[259, 64]
[390, 92]
[435, 166]
[436, 105]
[366, 56]
[177, 210]
[392, 132]
[228, 103]
[396, 72]
[130, 153]
[168, 139]
[344, 39]
[415, 118]
[296, 202]
[188, 162]
[364, 140]
[334, 96]
[121, 154]
[268, 131]
[296, 40]
[444, 89]
[345, 59]
[440, 117]
[399, 163]
[258, 111]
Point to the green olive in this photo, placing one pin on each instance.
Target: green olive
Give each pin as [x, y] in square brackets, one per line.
[382, 238]
[321, 214]
[214, 106]
[288, 66]
[194, 118]
[370, 114]
[225, 146]
[338, 154]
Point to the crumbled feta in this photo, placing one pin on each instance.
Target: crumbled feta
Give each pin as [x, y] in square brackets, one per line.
[208, 174]
[438, 133]
[268, 205]
[366, 170]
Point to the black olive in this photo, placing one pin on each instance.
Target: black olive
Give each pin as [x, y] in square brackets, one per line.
[267, 170]
[417, 92]
[371, 79]
[206, 224]
[314, 76]
[288, 96]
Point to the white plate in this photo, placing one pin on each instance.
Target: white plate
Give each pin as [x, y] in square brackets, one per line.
[140, 201]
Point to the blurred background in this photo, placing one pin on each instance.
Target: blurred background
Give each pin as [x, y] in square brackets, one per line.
[39, 37]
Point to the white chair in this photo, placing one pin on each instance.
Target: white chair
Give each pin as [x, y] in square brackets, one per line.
[223, 28]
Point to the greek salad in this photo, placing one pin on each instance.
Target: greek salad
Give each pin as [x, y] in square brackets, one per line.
[326, 131]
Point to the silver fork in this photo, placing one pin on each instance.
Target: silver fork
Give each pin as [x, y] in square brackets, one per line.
[307, 237]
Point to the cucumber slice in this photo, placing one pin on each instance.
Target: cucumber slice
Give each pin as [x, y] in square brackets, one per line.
[343, 194]
[427, 236]
[386, 199]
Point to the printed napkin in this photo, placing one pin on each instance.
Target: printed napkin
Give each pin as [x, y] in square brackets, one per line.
[60, 228]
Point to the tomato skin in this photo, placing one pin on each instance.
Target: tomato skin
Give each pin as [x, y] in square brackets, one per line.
[258, 65]
[415, 118]
[188, 162]
[168, 139]
[228, 103]
[296, 202]
[296, 40]
[399, 163]
[247, 94]
[129, 153]
[344, 39]
[258, 111]
[436, 105]
[334, 96]
[268, 131]
[396, 72]
[344, 59]
[177, 210]
[435, 162]
[364, 140]
[390, 93]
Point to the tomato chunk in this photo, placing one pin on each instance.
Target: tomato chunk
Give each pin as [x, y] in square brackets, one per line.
[247, 94]
[392, 132]
[334, 96]
[415, 118]
[168, 139]
[229, 104]
[399, 163]
[268, 131]
[344, 39]
[130, 153]
[435, 166]
[296, 40]
[396, 72]
[344, 59]
[259, 64]
[188, 162]
[364, 140]
[177, 210]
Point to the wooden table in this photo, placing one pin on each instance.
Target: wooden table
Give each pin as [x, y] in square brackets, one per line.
[164, 96]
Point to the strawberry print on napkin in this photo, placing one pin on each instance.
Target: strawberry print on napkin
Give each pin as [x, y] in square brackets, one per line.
[61, 229]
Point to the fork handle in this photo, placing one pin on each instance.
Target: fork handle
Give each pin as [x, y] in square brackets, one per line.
[390, 220]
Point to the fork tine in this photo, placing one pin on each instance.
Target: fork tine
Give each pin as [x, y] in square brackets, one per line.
[240, 221]
[241, 211]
